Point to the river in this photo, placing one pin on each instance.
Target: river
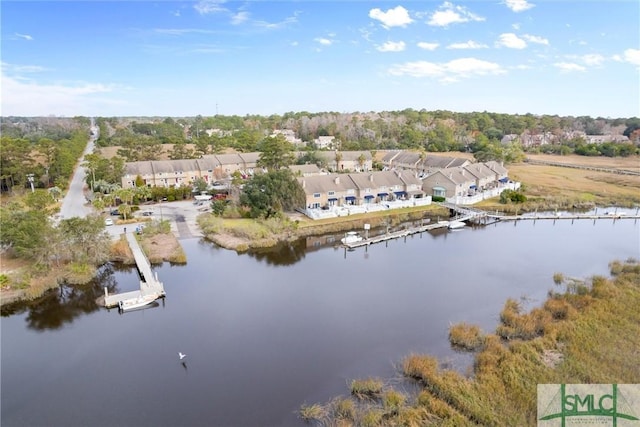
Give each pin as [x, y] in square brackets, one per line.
[265, 333]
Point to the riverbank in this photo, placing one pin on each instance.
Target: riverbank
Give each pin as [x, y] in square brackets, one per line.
[24, 283]
[243, 235]
[590, 333]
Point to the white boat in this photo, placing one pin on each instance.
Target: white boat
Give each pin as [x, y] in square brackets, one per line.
[351, 237]
[133, 303]
[456, 225]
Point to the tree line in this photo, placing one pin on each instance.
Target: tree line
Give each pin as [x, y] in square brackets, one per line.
[431, 131]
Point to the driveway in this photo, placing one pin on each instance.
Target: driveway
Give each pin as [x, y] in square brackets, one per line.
[181, 215]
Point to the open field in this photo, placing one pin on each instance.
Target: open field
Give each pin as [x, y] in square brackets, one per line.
[628, 163]
[568, 186]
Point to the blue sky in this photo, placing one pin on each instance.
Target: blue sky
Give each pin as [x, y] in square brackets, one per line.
[167, 58]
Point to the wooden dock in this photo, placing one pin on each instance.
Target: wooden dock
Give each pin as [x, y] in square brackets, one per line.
[397, 234]
[150, 286]
[468, 214]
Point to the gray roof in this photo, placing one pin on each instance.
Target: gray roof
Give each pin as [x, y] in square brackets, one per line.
[172, 166]
[497, 167]
[324, 183]
[305, 169]
[138, 168]
[389, 156]
[208, 162]
[250, 157]
[230, 159]
[407, 158]
[479, 170]
[441, 162]
[455, 175]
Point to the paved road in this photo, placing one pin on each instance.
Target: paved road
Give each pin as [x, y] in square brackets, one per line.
[182, 215]
[74, 202]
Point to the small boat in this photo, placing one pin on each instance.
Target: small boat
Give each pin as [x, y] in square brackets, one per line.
[351, 237]
[133, 303]
[456, 225]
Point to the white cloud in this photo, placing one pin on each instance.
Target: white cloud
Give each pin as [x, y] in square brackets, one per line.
[205, 7]
[448, 71]
[467, 45]
[536, 39]
[512, 41]
[632, 56]
[593, 59]
[16, 69]
[515, 26]
[569, 66]
[323, 41]
[239, 18]
[28, 98]
[277, 25]
[392, 47]
[518, 5]
[396, 17]
[428, 46]
[448, 13]
[24, 36]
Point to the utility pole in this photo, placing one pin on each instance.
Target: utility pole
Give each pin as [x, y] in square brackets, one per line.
[30, 178]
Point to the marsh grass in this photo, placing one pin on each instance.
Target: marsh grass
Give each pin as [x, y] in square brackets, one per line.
[586, 336]
[313, 412]
[120, 251]
[369, 388]
[79, 273]
[466, 337]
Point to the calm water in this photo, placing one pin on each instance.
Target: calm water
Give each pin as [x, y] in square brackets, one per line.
[266, 333]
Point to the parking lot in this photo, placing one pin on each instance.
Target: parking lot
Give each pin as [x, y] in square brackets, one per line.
[181, 215]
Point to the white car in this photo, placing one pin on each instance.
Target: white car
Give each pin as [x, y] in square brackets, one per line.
[108, 221]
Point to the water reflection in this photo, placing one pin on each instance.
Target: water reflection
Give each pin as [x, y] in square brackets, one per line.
[62, 306]
[283, 254]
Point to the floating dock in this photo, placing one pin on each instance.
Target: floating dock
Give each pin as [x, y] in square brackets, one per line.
[151, 288]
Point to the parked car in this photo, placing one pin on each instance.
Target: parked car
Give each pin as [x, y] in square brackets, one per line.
[115, 212]
[108, 221]
[147, 213]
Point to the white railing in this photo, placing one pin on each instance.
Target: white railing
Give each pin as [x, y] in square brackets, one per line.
[345, 210]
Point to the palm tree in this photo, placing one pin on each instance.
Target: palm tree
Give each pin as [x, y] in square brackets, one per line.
[338, 159]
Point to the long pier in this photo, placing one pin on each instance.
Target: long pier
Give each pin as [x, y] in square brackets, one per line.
[151, 288]
[465, 213]
[394, 235]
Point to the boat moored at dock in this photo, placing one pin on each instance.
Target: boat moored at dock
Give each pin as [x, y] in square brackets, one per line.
[351, 237]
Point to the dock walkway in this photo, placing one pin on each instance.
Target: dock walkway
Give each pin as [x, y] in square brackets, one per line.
[465, 213]
[150, 286]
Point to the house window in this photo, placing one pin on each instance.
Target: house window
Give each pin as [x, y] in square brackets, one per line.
[331, 193]
[316, 195]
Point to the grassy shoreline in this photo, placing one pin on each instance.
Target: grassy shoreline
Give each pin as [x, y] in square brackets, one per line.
[158, 244]
[590, 333]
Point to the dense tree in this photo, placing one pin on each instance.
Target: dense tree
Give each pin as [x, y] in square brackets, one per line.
[85, 240]
[270, 193]
[275, 153]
